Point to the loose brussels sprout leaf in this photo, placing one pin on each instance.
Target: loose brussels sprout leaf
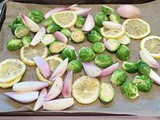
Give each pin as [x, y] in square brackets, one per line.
[143, 83]
[123, 53]
[21, 31]
[115, 18]
[130, 67]
[94, 36]
[129, 90]
[56, 47]
[53, 28]
[99, 18]
[75, 66]
[66, 32]
[118, 77]
[103, 60]
[77, 36]
[98, 47]
[86, 54]
[80, 21]
[48, 22]
[36, 15]
[143, 68]
[107, 10]
[68, 53]
[26, 41]
[14, 44]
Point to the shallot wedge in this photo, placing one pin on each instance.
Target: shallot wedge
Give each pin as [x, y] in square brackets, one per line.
[58, 104]
[109, 70]
[61, 68]
[59, 75]
[38, 37]
[23, 97]
[29, 86]
[67, 85]
[83, 12]
[89, 24]
[146, 57]
[29, 23]
[40, 100]
[55, 90]
[91, 70]
[60, 36]
[155, 77]
[111, 25]
[48, 14]
[74, 7]
[43, 66]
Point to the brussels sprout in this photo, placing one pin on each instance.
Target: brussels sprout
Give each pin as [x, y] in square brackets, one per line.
[115, 18]
[14, 44]
[107, 10]
[129, 90]
[143, 68]
[103, 60]
[26, 41]
[75, 66]
[53, 28]
[66, 32]
[86, 54]
[98, 47]
[48, 39]
[21, 31]
[123, 53]
[36, 15]
[18, 21]
[56, 47]
[48, 22]
[77, 35]
[99, 18]
[98, 29]
[94, 36]
[68, 53]
[130, 67]
[118, 77]
[112, 45]
[80, 21]
[143, 83]
[14, 26]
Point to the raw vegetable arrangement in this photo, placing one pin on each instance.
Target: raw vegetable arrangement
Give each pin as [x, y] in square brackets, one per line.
[43, 41]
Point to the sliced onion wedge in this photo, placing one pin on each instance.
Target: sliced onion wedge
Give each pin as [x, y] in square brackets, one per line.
[83, 12]
[74, 7]
[155, 77]
[60, 36]
[111, 25]
[89, 24]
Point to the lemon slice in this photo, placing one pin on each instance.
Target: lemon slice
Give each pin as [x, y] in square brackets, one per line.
[53, 62]
[152, 45]
[86, 90]
[136, 28]
[11, 69]
[112, 33]
[28, 53]
[65, 19]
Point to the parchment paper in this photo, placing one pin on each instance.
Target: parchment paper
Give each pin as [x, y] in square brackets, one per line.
[147, 104]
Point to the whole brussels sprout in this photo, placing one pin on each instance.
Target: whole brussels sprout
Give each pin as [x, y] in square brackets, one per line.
[18, 20]
[98, 47]
[103, 60]
[86, 54]
[68, 53]
[66, 32]
[36, 15]
[130, 67]
[129, 90]
[143, 83]
[53, 28]
[118, 77]
[26, 41]
[94, 36]
[115, 18]
[143, 68]
[75, 66]
[14, 44]
[123, 53]
[80, 21]
[99, 18]
[21, 31]
[48, 22]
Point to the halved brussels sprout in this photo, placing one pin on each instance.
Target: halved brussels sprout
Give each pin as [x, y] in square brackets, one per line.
[75, 66]
[98, 47]
[94, 36]
[130, 67]
[36, 15]
[68, 53]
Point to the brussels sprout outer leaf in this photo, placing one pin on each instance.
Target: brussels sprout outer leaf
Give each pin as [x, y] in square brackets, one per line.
[48, 22]
[66, 32]
[115, 18]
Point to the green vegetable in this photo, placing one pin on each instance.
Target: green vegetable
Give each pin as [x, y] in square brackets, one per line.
[103, 60]
[68, 53]
[129, 90]
[143, 68]
[36, 15]
[94, 36]
[106, 93]
[86, 54]
[80, 21]
[118, 77]
[48, 39]
[98, 47]
[18, 20]
[53, 28]
[14, 44]
[112, 45]
[130, 67]
[21, 31]
[14, 26]
[143, 83]
[75, 66]
[77, 36]
[56, 47]
[99, 18]
[26, 41]
[115, 18]
[98, 29]
[107, 10]
[48, 22]
[123, 53]
[66, 32]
